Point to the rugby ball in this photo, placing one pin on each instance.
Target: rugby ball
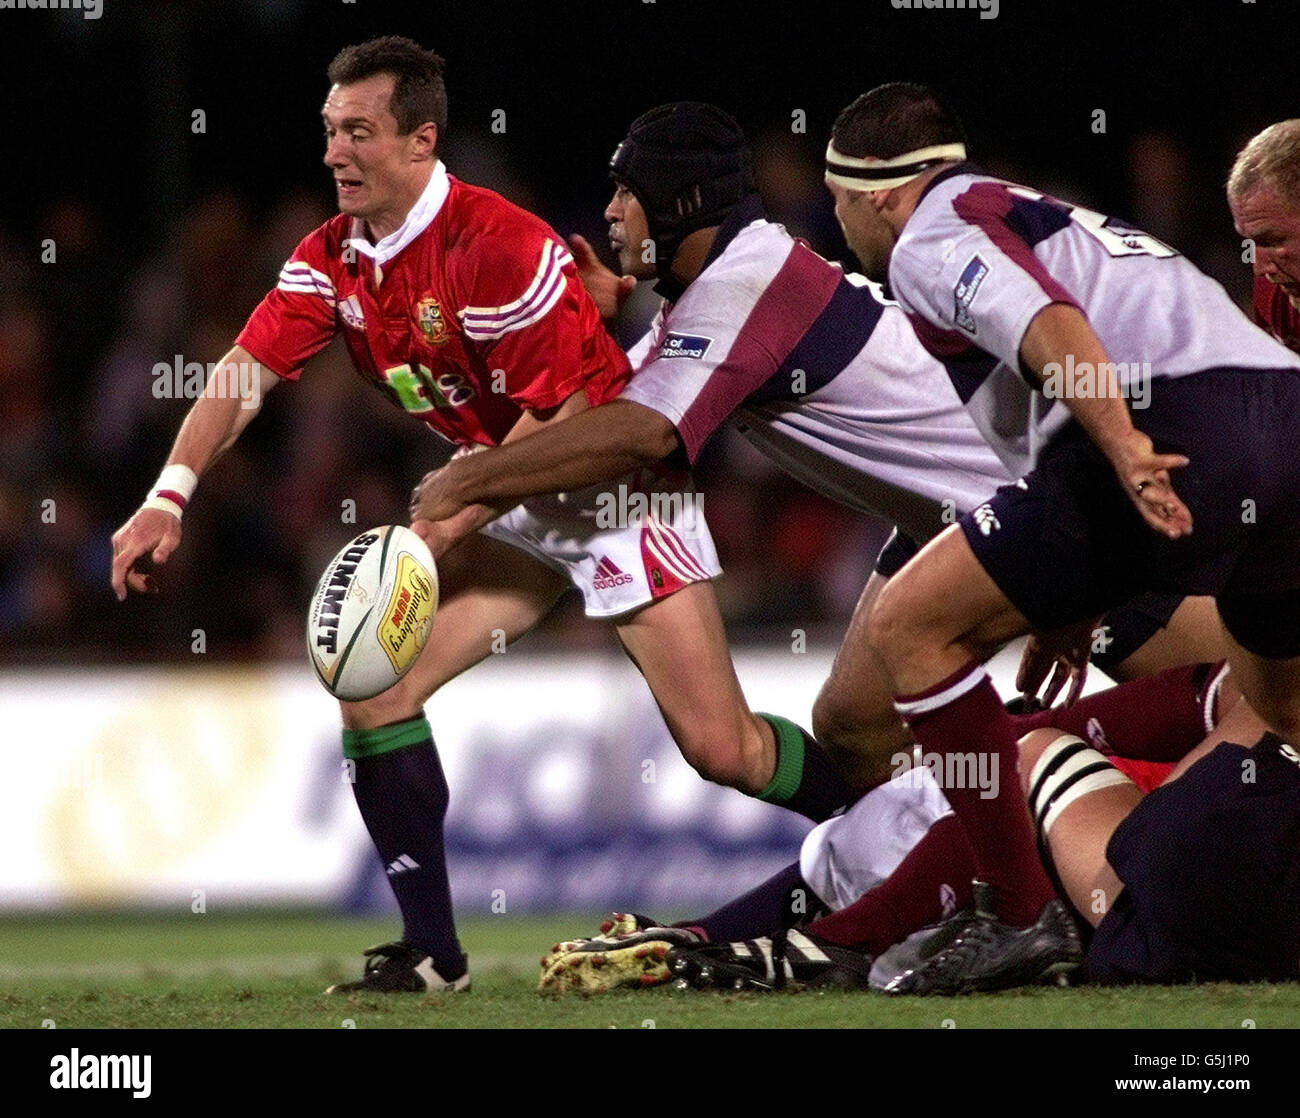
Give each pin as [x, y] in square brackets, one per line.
[371, 612]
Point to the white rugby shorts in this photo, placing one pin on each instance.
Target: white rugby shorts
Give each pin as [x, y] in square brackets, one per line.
[623, 543]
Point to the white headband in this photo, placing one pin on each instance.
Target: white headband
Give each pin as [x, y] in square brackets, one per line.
[867, 173]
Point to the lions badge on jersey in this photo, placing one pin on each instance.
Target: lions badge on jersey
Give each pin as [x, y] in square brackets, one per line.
[428, 316]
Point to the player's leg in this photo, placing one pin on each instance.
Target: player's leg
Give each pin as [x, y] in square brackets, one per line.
[679, 645]
[1263, 636]
[489, 589]
[1192, 635]
[1077, 799]
[854, 716]
[934, 624]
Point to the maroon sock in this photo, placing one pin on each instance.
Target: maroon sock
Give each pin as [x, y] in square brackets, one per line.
[968, 739]
[1158, 718]
[938, 869]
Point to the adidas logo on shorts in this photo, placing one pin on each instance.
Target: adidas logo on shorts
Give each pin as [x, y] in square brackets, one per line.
[608, 575]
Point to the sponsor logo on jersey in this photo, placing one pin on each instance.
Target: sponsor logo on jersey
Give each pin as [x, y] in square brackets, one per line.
[428, 316]
[350, 312]
[685, 345]
[404, 626]
[608, 575]
[968, 285]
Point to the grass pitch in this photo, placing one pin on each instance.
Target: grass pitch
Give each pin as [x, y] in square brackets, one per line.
[268, 970]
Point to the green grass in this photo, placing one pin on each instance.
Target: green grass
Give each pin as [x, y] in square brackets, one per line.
[267, 970]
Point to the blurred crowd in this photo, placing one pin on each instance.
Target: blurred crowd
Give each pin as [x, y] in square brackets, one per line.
[83, 435]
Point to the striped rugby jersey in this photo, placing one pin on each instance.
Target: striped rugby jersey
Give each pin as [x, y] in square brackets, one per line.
[979, 258]
[821, 373]
[465, 316]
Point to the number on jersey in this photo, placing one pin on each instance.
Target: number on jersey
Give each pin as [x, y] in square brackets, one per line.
[1114, 238]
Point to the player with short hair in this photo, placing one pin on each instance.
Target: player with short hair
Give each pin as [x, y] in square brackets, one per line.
[468, 313]
[1049, 318]
[821, 373]
[1264, 196]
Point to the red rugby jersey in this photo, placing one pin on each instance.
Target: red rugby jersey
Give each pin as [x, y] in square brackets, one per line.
[468, 314]
[1274, 312]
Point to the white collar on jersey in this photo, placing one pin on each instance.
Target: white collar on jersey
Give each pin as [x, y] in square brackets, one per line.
[417, 221]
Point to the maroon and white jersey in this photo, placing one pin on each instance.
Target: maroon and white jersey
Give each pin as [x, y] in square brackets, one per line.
[821, 373]
[467, 315]
[980, 257]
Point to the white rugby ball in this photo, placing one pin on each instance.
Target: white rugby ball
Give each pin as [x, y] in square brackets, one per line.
[371, 612]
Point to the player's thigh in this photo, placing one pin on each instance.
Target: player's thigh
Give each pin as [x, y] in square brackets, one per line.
[1192, 635]
[490, 594]
[680, 646]
[854, 716]
[1271, 688]
[1077, 834]
[943, 599]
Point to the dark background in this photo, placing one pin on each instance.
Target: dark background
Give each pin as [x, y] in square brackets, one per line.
[165, 240]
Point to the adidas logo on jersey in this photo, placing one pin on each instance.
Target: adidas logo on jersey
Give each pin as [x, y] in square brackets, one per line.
[350, 312]
[608, 575]
[401, 864]
[986, 519]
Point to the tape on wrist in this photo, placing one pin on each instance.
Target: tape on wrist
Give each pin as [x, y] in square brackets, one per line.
[172, 491]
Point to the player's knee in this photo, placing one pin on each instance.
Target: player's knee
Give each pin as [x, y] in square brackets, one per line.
[891, 628]
[1031, 749]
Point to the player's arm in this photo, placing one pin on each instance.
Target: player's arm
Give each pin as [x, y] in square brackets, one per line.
[213, 424]
[1059, 330]
[576, 447]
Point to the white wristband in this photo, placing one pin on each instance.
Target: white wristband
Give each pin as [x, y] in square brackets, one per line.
[172, 492]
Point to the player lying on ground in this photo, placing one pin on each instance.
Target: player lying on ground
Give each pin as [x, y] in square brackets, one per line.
[1171, 895]
[1049, 318]
[823, 375]
[468, 313]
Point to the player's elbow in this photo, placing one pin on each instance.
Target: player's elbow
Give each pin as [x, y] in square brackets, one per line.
[654, 436]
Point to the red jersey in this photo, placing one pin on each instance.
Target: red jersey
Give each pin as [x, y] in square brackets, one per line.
[1274, 312]
[468, 314]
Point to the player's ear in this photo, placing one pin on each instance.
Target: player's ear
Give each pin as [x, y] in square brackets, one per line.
[424, 140]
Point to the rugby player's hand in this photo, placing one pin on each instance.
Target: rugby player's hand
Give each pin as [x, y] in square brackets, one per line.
[433, 498]
[1144, 475]
[144, 541]
[1065, 652]
[442, 535]
[607, 289]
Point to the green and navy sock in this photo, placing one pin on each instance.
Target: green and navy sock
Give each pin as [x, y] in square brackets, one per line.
[402, 793]
[806, 780]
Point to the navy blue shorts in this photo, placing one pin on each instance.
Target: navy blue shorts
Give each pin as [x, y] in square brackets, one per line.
[1128, 627]
[1065, 543]
[1211, 873]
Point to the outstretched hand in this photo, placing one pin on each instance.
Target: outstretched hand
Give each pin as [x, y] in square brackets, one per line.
[607, 289]
[1065, 652]
[1144, 474]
